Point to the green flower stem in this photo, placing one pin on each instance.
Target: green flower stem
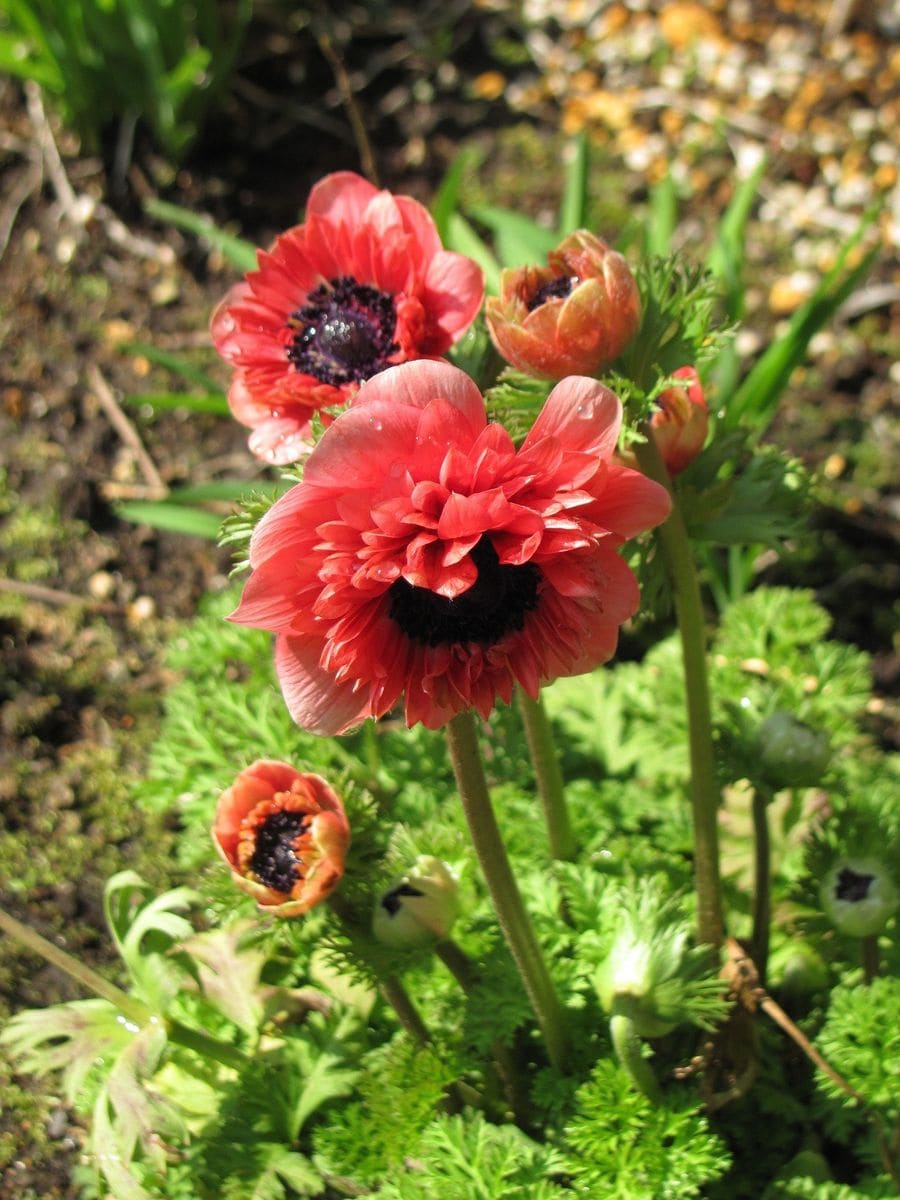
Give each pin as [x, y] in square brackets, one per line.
[705, 797]
[870, 957]
[549, 776]
[134, 1010]
[759, 941]
[407, 1014]
[463, 745]
[629, 1051]
[463, 971]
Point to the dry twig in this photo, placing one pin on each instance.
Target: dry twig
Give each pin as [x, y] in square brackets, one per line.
[125, 429]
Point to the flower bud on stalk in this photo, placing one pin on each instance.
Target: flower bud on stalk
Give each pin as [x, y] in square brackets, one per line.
[284, 835]
[859, 896]
[418, 908]
[681, 421]
[572, 317]
[790, 753]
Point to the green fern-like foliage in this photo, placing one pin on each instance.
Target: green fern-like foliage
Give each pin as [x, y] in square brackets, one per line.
[861, 1038]
[621, 1147]
[464, 1158]
[401, 1086]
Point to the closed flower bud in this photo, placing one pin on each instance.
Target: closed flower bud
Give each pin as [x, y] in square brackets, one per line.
[572, 317]
[418, 908]
[790, 753]
[284, 835]
[859, 895]
[681, 421]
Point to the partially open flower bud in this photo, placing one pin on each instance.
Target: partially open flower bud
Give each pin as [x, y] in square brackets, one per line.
[418, 908]
[572, 316]
[790, 753]
[859, 896]
[284, 835]
[681, 421]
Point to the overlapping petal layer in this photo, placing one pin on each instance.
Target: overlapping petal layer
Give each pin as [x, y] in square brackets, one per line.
[425, 557]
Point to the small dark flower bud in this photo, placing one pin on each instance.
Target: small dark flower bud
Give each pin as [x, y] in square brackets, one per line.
[418, 908]
[859, 896]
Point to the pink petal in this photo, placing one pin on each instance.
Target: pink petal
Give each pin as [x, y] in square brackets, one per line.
[627, 501]
[583, 414]
[367, 444]
[418, 383]
[454, 290]
[341, 196]
[314, 700]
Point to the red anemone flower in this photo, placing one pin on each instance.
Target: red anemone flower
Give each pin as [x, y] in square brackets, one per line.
[284, 835]
[573, 316]
[424, 555]
[362, 284]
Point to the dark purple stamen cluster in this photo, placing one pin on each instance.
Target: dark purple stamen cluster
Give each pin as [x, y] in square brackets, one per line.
[852, 885]
[274, 861]
[344, 333]
[391, 902]
[557, 288]
[494, 605]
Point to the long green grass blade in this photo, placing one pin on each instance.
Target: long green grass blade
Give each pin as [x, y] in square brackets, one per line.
[226, 489]
[462, 238]
[726, 258]
[173, 518]
[757, 398]
[172, 362]
[663, 217]
[518, 239]
[207, 402]
[573, 207]
[240, 253]
[446, 201]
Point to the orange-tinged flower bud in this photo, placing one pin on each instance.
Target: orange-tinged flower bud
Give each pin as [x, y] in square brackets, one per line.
[284, 835]
[681, 422]
[571, 317]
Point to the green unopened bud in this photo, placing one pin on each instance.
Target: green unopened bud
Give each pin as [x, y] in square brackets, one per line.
[418, 908]
[859, 896]
[791, 754]
[651, 974]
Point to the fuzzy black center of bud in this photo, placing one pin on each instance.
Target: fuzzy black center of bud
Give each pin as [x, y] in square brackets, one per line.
[852, 885]
[553, 289]
[344, 333]
[391, 902]
[275, 862]
[495, 604]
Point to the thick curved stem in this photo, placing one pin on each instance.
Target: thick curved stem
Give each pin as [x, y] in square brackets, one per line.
[629, 1051]
[514, 921]
[705, 797]
[548, 775]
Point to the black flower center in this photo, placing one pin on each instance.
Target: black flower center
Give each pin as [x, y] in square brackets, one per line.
[275, 862]
[556, 288]
[391, 902]
[852, 886]
[344, 333]
[494, 605]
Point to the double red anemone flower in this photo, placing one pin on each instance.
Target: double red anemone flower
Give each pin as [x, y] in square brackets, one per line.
[423, 555]
[362, 284]
[284, 835]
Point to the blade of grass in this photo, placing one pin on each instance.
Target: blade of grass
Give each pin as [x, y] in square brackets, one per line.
[240, 253]
[446, 202]
[207, 402]
[173, 362]
[462, 238]
[173, 518]
[226, 489]
[663, 217]
[726, 258]
[757, 398]
[518, 239]
[573, 207]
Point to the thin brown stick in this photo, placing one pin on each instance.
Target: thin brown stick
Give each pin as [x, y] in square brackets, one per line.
[125, 429]
[348, 100]
[48, 595]
[774, 1010]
